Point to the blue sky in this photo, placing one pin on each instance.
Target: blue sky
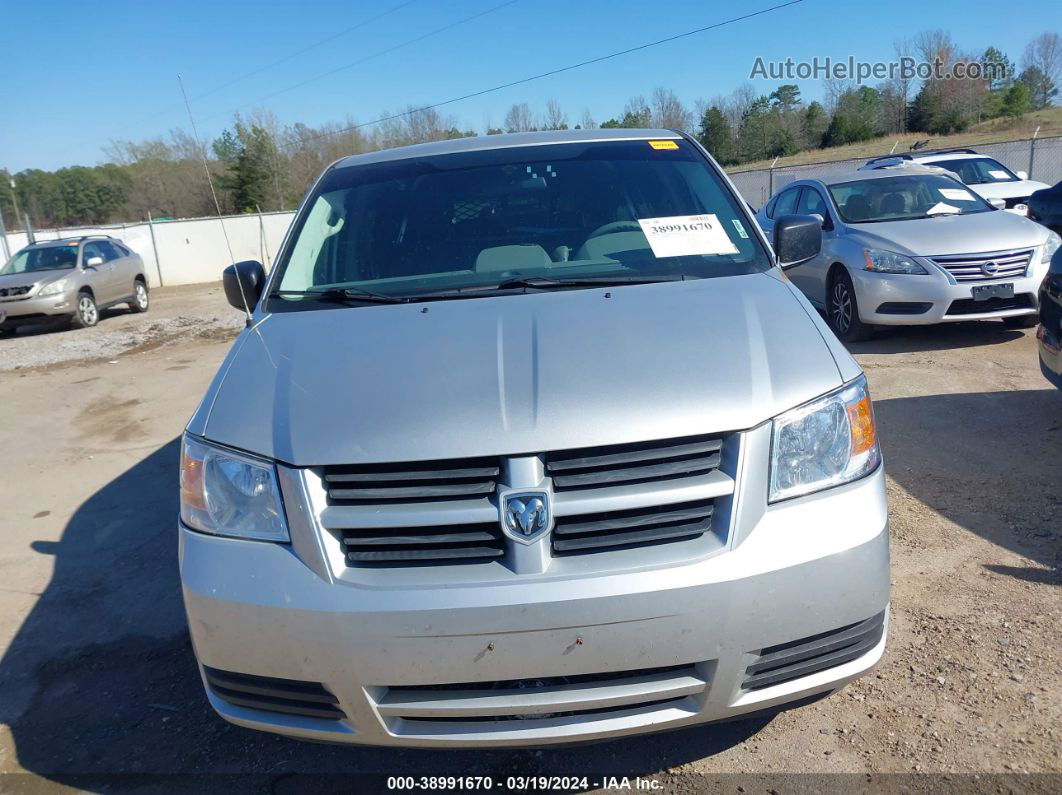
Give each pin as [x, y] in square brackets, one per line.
[79, 74]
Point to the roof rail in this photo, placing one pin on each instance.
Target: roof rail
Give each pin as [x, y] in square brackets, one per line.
[923, 153]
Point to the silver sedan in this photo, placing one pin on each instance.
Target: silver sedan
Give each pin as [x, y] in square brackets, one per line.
[913, 246]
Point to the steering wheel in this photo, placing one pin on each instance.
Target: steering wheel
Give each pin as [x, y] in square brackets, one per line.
[613, 227]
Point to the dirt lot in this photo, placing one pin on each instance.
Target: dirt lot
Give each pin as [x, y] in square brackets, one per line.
[97, 677]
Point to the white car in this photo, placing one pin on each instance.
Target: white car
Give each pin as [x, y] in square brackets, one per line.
[984, 175]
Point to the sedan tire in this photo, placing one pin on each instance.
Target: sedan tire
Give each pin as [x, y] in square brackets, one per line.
[842, 310]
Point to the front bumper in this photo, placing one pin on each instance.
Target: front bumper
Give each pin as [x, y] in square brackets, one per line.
[25, 310]
[797, 569]
[876, 291]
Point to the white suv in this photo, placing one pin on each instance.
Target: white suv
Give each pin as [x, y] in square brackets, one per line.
[984, 175]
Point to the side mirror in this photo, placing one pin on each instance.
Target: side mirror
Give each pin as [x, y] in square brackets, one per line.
[93, 262]
[1022, 175]
[797, 238]
[999, 204]
[243, 283]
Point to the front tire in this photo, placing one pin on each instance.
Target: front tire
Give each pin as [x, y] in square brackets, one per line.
[842, 310]
[1021, 321]
[87, 314]
[140, 301]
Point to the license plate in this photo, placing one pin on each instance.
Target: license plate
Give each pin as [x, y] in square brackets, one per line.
[983, 292]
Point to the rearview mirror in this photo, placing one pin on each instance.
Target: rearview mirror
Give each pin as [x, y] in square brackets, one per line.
[999, 204]
[1023, 175]
[243, 283]
[93, 262]
[797, 238]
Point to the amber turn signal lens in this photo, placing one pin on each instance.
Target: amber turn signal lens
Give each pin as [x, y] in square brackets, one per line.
[192, 481]
[861, 418]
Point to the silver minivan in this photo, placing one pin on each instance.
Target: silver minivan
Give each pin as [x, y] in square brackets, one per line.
[528, 440]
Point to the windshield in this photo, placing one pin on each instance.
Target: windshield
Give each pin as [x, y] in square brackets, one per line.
[902, 198]
[472, 220]
[977, 170]
[47, 258]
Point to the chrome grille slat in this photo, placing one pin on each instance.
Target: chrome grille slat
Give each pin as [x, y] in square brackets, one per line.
[967, 267]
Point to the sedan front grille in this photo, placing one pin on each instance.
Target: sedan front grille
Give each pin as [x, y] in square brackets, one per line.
[422, 480]
[644, 462]
[798, 658]
[986, 267]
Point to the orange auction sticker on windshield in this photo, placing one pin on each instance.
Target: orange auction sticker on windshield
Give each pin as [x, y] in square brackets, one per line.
[663, 144]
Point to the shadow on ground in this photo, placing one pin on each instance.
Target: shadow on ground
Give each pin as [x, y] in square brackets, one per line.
[61, 324]
[101, 690]
[942, 337]
[988, 461]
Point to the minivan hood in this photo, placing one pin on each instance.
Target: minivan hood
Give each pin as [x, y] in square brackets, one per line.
[519, 373]
[953, 234]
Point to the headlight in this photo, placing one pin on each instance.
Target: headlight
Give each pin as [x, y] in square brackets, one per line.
[53, 288]
[824, 443]
[229, 493]
[889, 262]
[1051, 246]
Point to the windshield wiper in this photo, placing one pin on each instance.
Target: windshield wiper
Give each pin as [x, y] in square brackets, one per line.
[342, 295]
[545, 283]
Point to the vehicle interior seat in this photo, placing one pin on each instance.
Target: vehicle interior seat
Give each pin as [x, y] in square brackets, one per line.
[856, 207]
[894, 204]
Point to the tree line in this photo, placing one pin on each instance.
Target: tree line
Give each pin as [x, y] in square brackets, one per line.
[259, 163]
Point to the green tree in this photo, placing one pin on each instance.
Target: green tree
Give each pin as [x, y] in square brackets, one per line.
[1017, 100]
[251, 159]
[786, 97]
[1042, 89]
[813, 124]
[716, 136]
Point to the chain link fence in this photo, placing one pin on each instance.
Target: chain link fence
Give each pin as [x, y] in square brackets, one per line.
[1041, 158]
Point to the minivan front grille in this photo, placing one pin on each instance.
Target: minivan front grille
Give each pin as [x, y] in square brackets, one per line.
[986, 267]
[287, 696]
[442, 544]
[586, 697]
[643, 462]
[421, 480]
[639, 527]
[785, 662]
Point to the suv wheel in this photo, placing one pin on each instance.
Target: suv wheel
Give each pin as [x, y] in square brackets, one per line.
[1021, 321]
[87, 314]
[843, 311]
[139, 302]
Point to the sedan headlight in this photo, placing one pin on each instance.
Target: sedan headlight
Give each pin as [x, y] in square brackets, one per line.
[889, 262]
[824, 443]
[53, 288]
[1054, 242]
[229, 493]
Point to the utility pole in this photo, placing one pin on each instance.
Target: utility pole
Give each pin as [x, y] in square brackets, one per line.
[14, 198]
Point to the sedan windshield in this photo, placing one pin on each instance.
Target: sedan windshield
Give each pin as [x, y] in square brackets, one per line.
[47, 258]
[902, 198]
[977, 170]
[554, 216]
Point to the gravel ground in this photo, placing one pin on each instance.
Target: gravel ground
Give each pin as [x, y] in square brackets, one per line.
[97, 677]
[177, 314]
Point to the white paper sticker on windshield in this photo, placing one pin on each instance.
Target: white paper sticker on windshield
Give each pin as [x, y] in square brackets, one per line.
[956, 194]
[941, 208]
[682, 235]
[999, 174]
